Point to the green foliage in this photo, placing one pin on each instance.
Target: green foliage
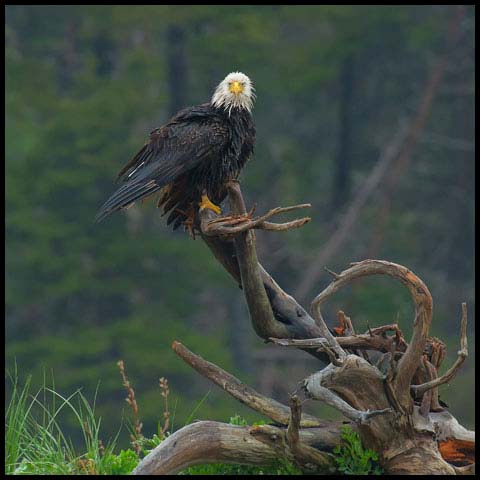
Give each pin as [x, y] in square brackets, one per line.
[121, 464]
[352, 459]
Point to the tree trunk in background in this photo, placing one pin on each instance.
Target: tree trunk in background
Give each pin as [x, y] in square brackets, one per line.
[402, 164]
[103, 48]
[462, 190]
[67, 60]
[176, 69]
[341, 182]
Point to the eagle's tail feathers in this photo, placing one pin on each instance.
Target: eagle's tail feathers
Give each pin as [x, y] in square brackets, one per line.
[124, 197]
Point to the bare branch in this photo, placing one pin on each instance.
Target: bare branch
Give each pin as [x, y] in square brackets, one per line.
[266, 406]
[423, 314]
[331, 272]
[303, 453]
[294, 423]
[346, 329]
[419, 390]
[331, 340]
[205, 442]
[347, 322]
[261, 314]
[331, 355]
[283, 227]
[361, 341]
[314, 388]
[290, 319]
[307, 343]
[234, 224]
[427, 397]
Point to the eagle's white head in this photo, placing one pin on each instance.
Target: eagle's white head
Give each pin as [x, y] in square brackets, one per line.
[234, 91]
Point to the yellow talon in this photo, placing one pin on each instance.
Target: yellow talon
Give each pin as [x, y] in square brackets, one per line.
[206, 203]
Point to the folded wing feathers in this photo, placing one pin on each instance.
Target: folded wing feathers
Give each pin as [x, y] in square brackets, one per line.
[142, 157]
[161, 161]
[146, 181]
[125, 196]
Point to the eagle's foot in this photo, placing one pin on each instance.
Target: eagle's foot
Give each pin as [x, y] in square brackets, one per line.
[231, 220]
[189, 222]
[207, 203]
[188, 226]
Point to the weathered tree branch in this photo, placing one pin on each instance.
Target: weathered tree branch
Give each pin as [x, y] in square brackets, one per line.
[379, 401]
[315, 389]
[303, 453]
[235, 224]
[273, 312]
[331, 340]
[423, 315]
[213, 442]
[366, 341]
[261, 313]
[287, 311]
[272, 409]
[452, 371]
[351, 384]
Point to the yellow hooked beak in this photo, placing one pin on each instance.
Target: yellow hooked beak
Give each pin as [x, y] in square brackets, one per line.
[236, 88]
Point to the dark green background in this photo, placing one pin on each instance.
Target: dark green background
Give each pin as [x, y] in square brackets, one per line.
[86, 84]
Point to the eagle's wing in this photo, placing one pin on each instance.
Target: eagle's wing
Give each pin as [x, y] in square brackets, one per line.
[171, 151]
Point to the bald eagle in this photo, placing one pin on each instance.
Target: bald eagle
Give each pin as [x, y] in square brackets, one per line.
[191, 158]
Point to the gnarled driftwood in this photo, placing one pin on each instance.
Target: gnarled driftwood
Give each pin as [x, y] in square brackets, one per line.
[386, 388]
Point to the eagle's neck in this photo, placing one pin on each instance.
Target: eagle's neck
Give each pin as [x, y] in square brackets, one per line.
[242, 132]
[233, 114]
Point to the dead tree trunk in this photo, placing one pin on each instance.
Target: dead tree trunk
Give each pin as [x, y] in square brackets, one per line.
[392, 402]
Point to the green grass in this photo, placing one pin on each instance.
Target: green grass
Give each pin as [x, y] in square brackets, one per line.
[36, 444]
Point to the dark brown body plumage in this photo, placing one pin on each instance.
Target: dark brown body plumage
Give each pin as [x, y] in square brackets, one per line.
[199, 150]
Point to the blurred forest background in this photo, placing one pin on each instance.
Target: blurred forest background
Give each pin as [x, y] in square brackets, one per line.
[367, 112]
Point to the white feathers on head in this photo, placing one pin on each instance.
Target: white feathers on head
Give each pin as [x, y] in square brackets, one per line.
[224, 97]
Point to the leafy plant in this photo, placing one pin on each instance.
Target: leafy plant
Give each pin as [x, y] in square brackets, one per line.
[352, 459]
[121, 464]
